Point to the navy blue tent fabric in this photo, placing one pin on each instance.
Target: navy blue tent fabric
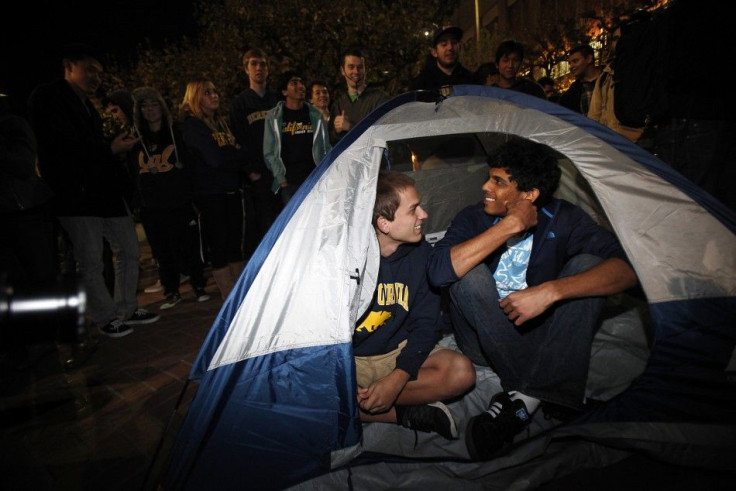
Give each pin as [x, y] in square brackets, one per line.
[234, 404]
[686, 377]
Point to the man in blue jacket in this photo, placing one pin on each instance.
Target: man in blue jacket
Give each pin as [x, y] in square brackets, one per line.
[402, 374]
[528, 276]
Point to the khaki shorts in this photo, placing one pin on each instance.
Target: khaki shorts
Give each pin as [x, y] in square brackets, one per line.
[368, 369]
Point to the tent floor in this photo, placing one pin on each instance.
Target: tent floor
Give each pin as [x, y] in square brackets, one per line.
[641, 473]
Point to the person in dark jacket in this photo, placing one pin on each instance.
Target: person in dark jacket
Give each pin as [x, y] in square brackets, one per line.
[509, 57]
[247, 115]
[582, 65]
[217, 161]
[528, 275]
[443, 68]
[79, 164]
[165, 191]
[28, 251]
[402, 374]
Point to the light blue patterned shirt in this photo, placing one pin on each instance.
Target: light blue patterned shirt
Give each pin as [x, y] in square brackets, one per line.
[510, 274]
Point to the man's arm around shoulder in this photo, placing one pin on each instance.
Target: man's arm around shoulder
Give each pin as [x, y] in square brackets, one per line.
[459, 252]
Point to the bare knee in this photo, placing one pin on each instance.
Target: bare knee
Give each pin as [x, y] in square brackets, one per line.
[458, 373]
[462, 373]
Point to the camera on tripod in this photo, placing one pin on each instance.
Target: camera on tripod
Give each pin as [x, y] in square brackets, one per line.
[53, 313]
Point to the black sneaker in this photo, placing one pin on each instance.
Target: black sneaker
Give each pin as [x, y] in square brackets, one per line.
[142, 316]
[201, 294]
[434, 417]
[172, 300]
[116, 329]
[487, 434]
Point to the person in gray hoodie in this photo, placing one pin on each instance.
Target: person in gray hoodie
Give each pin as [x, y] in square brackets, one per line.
[164, 185]
[295, 137]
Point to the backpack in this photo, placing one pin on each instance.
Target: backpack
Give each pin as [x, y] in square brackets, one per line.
[640, 70]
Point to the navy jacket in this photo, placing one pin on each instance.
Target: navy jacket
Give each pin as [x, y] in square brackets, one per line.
[562, 231]
[431, 77]
[74, 157]
[216, 158]
[404, 307]
[247, 117]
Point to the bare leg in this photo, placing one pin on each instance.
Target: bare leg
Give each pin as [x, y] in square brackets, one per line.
[444, 374]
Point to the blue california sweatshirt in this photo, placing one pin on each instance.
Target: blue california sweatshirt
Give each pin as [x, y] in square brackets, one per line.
[404, 307]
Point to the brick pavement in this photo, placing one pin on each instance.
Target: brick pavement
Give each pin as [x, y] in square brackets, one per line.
[99, 426]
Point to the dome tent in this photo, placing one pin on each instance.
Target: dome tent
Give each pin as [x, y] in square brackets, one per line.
[275, 405]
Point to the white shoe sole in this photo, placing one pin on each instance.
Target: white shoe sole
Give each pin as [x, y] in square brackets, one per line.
[146, 321]
[169, 305]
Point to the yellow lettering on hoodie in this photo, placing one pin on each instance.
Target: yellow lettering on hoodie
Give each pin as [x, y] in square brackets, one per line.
[392, 294]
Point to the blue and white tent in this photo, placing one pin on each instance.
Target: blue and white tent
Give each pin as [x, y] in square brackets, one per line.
[275, 406]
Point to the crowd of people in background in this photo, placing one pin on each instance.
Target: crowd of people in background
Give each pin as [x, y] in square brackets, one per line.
[206, 185]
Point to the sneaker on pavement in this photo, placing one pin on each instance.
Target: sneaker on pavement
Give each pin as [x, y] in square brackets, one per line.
[488, 433]
[155, 288]
[172, 299]
[116, 329]
[201, 294]
[434, 417]
[142, 316]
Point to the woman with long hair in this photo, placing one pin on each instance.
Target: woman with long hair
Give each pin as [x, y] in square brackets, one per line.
[217, 160]
[165, 194]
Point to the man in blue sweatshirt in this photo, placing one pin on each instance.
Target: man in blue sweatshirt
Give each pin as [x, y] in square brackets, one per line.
[528, 276]
[402, 373]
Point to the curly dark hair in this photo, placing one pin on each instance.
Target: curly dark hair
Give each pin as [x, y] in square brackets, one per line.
[531, 165]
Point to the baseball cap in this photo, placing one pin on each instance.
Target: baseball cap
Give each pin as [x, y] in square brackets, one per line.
[455, 31]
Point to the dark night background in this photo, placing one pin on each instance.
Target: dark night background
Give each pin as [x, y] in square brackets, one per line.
[32, 32]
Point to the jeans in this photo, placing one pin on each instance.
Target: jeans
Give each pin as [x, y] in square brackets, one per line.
[546, 357]
[86, 234]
